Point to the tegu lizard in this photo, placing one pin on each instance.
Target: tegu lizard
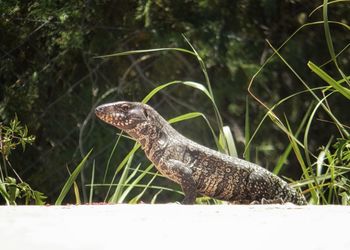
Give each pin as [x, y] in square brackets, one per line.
[198, 169]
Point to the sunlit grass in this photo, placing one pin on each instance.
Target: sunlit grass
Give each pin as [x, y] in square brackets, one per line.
[324, 177]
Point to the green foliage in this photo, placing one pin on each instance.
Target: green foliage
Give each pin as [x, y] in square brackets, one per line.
[12, 192]
[12, 136]
[333, 83]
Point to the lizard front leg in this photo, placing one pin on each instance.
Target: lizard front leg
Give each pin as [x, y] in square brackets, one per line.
[183, 175]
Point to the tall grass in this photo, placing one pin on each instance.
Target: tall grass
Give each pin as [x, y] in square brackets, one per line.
[325, 173]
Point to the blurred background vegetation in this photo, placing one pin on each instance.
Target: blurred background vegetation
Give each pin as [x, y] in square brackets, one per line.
[51, 80]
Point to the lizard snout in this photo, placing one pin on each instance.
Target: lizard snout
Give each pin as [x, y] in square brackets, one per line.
[99, 110]
[102, 112]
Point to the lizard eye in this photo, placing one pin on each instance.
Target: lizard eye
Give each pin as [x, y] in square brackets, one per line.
[125, 107]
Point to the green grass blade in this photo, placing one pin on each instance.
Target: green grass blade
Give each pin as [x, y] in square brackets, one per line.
[327, 30]
[228, 138]
[304, 168]
[200, 87]
[207, 80]
[192, 115]
[154, 198]
[184, 117]
[71, 179]
[329, 38]
[133, 52]
[321, 160]
[92, 182]
[345, 48]
[343, 80]
[329, 3]
[320, 178]
[123, 178]
[143, 185]
[110, 156]
[76, 193]
[133, 173]
[307, 129]
[328, 79]
[195, 85]
[137, 180]
[75, 190]
[120, 166]
[126, 183]
[157, 89]
[246, 153]
[283, 158]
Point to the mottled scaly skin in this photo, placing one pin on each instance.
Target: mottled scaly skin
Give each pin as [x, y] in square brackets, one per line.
[196, 168]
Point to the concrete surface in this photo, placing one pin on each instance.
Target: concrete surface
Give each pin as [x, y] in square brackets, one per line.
[174, 226]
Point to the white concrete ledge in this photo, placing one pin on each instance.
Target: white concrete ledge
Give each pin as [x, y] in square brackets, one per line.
[174, 226]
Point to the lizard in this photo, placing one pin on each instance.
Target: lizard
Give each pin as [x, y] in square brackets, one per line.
[196, 168]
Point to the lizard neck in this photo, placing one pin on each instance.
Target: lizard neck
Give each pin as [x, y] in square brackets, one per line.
[154, 137]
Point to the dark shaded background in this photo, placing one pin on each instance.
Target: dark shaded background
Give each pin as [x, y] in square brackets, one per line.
[51, 80]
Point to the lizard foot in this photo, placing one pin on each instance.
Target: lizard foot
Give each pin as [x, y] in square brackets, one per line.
[263, 201]
[274, 201]
[267, 202]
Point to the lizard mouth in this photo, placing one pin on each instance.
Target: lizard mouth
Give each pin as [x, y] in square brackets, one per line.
[113, 116]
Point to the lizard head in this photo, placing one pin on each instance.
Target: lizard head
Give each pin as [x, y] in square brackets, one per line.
[124, 115]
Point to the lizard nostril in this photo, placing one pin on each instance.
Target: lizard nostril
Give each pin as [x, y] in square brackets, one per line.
[99, 111]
